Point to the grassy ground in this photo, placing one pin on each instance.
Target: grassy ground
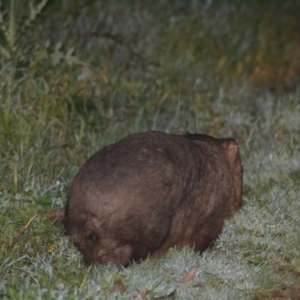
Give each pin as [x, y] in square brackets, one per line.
[84, 74]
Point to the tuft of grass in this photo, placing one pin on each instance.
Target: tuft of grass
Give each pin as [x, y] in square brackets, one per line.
[76, 77]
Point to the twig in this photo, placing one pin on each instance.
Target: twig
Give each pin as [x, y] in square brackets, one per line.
[23, 230]
[85, 277]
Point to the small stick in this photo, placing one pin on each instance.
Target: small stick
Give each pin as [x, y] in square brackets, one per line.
[23, 230]
[85, 277]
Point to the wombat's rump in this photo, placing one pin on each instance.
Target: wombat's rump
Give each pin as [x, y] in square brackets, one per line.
[151, 191]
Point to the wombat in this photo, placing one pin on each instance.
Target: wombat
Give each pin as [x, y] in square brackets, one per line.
[151, 191]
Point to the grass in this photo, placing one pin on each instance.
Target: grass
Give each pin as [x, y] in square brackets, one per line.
[87, 73]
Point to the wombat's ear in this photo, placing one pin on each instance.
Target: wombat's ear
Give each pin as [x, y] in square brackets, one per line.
[234, 161]
[231, 150]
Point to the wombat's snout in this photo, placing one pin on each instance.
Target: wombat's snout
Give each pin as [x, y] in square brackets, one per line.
[121, 255]
[151, 191]
[98, 251]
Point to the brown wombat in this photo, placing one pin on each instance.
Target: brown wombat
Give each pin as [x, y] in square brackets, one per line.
[150, 191]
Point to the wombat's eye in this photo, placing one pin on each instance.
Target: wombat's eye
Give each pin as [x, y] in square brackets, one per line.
[92, 237]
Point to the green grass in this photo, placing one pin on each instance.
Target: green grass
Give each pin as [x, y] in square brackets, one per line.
[84, 74]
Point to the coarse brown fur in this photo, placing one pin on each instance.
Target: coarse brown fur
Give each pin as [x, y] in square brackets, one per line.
[151, 191]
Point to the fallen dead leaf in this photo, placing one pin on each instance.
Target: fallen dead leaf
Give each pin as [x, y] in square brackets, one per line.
[120, 286]
[57, 214]
[189, 275]
[142, 293]
[54, 213]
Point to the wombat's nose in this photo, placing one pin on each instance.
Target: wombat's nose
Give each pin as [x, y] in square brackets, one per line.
[101, 253]
[102, 256]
